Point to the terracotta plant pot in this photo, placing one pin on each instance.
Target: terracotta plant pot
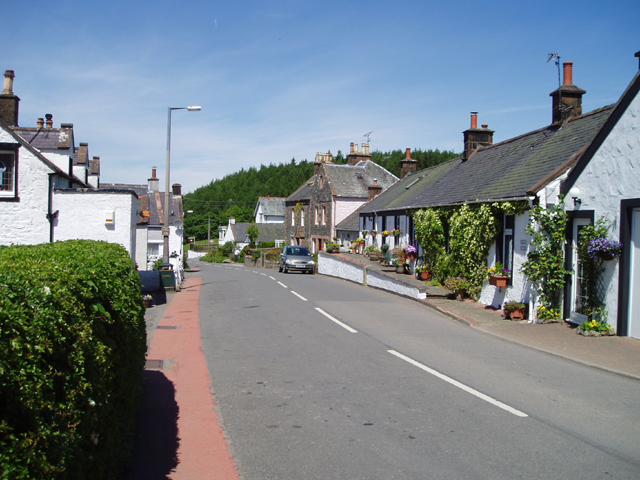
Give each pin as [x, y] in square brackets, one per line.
[148, 303]
[424, 275]
[498, 281]
[516, 314]
[411, 256]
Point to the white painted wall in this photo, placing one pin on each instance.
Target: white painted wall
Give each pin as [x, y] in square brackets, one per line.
[343, 207]
[520, 290]
[612, 175]
[82, 214]
[25, 222]
[141, 246]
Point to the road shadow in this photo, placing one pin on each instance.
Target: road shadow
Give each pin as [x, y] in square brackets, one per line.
[155, 451]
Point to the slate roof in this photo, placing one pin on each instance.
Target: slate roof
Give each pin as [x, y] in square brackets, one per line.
[303, 193]
[353, 181]
[153, 202]
[272, 205]
[348, 181]
[269, 232]
[515, 168]
[47, 138]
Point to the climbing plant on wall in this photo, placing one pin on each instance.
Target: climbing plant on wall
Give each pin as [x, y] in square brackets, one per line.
[545, 263]
[472, 229]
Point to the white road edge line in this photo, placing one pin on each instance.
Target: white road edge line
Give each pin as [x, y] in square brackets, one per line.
[272, 278]
[283, 285]
[263, 274]
[347, 327]
[462, 386]
[299, 296]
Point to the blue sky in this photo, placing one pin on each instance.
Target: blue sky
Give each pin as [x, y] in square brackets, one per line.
[285, 79]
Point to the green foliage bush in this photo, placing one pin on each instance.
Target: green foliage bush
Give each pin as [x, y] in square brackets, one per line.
[72, 351]
[271, 244]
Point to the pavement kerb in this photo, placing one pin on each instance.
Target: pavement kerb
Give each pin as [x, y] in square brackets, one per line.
[478, 326]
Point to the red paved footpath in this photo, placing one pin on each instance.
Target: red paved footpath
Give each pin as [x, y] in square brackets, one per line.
[203, 452]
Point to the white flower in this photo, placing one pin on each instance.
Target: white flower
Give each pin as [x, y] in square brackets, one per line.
[47, 290]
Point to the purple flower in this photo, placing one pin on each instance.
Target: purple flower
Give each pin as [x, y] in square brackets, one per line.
[599, 247]
[410, 249]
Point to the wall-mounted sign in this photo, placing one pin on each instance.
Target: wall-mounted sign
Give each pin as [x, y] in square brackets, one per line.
[145, 213]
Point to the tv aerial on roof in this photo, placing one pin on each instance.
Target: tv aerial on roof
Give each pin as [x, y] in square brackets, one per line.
[368, 136]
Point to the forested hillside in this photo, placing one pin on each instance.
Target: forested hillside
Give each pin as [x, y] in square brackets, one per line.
[237, 193]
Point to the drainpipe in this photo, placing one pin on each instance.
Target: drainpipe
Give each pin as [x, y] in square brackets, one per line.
[51, 216]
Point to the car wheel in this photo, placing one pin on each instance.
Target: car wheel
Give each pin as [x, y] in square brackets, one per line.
[284, 270]
[280, 268]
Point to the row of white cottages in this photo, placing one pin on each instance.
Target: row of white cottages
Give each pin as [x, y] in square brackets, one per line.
[50, 191]
[593, 159]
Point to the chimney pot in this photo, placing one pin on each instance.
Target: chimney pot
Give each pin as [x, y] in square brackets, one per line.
[408, 153]
[352, 151]
[9, 75]
[474, 119]
[153, 172]
[177, 189]
[41, 123]
[485, 125]
[568, 73]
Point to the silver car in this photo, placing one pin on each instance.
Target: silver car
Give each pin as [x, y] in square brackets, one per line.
[296, 259]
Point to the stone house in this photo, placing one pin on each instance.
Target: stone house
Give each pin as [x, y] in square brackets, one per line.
[331, 195]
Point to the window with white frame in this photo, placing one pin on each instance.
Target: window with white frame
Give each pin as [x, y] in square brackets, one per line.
[324, 215]
[7, 173]
[316, 219]
[302, 217]
[293, 217]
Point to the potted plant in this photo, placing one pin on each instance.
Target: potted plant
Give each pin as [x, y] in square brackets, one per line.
[515, 310]
[498, 275]
[373, 252]
[399, 259]
[396, 232]
[604, 248]
[148, 301]
[385, 233]
[374, 233]
[459, 285]
[422, 272]
[411, 251]
[364, 234]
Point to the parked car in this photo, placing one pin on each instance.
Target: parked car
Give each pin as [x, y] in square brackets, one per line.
[296, 259]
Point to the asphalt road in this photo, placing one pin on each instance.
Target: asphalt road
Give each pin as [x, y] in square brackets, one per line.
[318, 378]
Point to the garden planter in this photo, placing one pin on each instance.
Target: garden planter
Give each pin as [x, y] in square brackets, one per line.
[148, 303]
[461, 294]
[411, 256]
[374, 257]
[498, 281]
[606, 256]
[424, 275]
[516, 314]
[402, 268]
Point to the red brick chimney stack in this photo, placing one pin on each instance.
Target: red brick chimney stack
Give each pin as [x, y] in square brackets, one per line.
[476, 138]
[408, 165]
[567, 100]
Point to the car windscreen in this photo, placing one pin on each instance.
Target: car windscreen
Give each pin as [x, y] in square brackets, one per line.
[298, 251]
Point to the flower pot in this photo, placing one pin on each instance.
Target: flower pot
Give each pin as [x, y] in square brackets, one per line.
[424, 275]
[362, 244]
[411, 255]
[148, 303]
[606, 256]
[374, 257]
[373, 234]
[461, 295]
[401, 268]
[516, 314]
[498, 281]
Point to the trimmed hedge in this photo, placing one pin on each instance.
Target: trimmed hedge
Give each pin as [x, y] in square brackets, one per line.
[72, 351]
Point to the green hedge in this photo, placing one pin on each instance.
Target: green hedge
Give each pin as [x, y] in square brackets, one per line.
[72, 351]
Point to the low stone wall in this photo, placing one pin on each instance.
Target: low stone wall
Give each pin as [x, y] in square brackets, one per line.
[335, 266]
[192, 254]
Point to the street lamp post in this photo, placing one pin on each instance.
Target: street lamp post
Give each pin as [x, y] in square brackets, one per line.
[165, 229]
